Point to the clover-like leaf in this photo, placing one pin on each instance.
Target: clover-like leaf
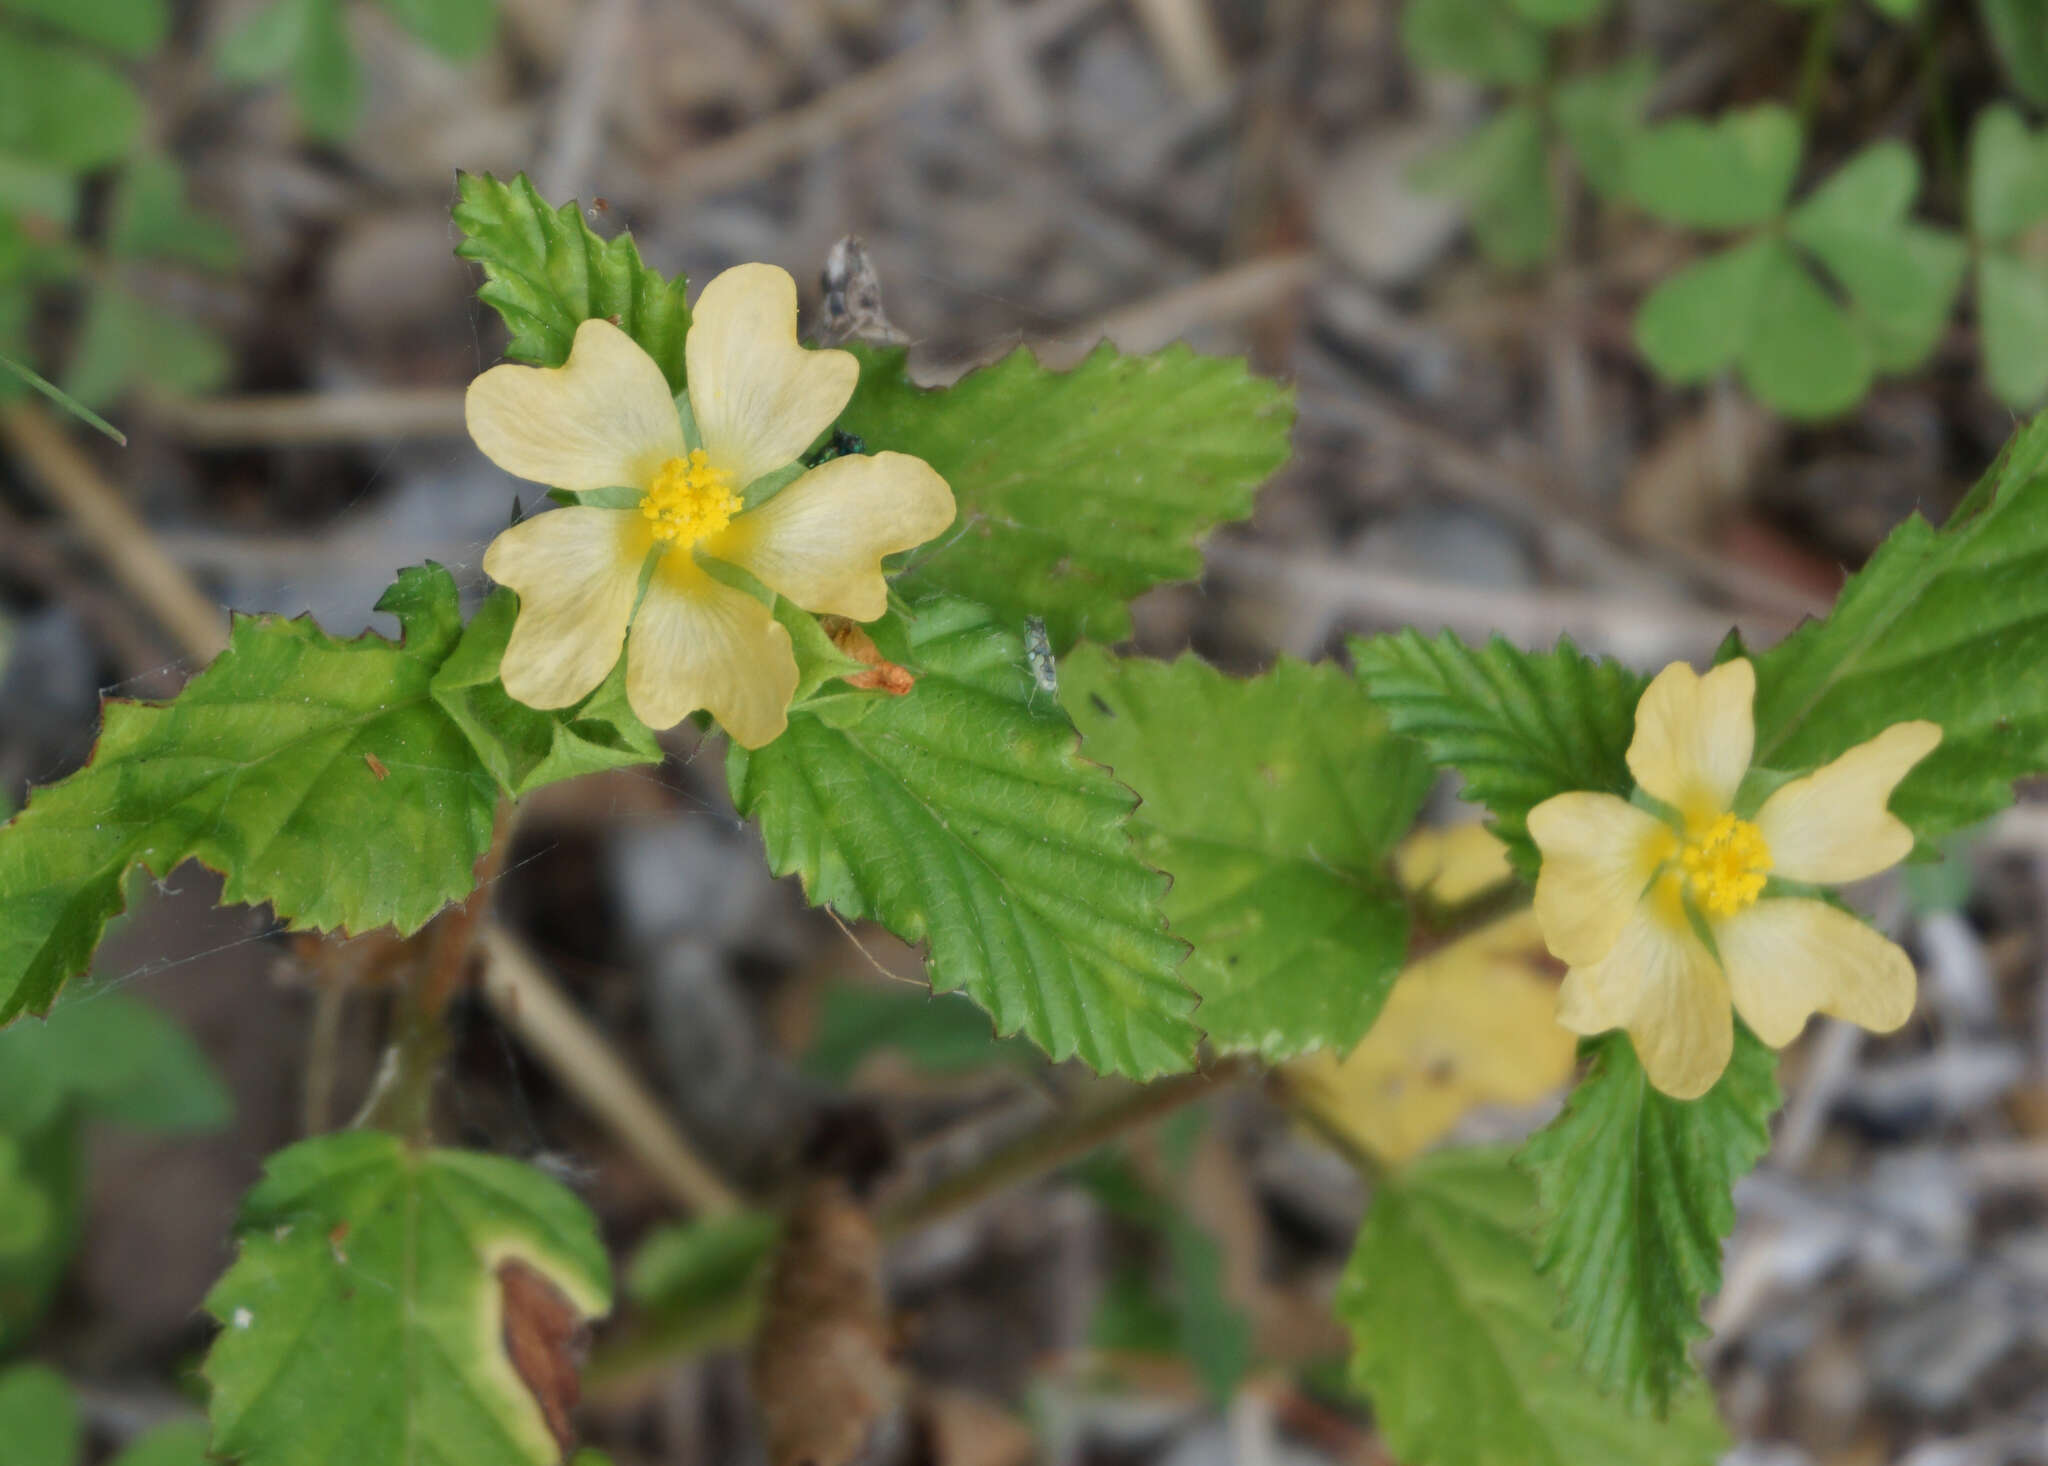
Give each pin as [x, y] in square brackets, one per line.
[1275, 803]
[2019, 33]
[2008, 195]
[1502, 173]
[126, 340]
[386, 1303]
[1727, 174]
[1901, 276]
[63, 107]
[1599, 114]
[38, 1417]
[960, 815]
[316, 774]
[2012, 317]
[131, 27]
[1637, 1200]
[310, 39]
[1487, 40]
[2008, 179]
[457, 29]
[111, 1056]
[1455, 1339]
[153, 220]
[1078, 490]
[1519, 726]
[547, 272]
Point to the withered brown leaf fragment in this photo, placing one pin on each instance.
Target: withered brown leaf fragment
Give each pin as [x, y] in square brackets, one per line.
[882, 675]
[822, 1372]
[546, 1340]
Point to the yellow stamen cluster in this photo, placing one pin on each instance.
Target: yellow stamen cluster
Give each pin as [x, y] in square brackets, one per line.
[1726, 866]
[688, 500]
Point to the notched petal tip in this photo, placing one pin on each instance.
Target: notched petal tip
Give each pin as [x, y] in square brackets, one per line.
[1788, 959]
[698, 643]
[1599, 853]
[603, 418]
[1835, 825]
[576, 572]
[1694, 736]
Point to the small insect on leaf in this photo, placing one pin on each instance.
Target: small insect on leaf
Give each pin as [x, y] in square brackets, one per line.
[882, 675]
[376, 766]
[1045, 672]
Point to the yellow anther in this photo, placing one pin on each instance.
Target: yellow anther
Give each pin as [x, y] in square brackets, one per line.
[1726, 866]
[688, 500]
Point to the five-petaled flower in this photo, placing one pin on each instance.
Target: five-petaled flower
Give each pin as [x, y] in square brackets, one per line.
[605, 420]
[1665, 916]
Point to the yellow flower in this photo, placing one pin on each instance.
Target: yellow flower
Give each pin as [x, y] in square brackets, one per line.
[1664, 918]
[1471, 1024]
[605, 420]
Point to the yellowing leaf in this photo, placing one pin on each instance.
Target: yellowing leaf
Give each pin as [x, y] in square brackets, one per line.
[1474, 1023]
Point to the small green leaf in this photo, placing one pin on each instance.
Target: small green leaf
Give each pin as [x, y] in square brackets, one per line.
[112, 1056]
[47, 194]
[2008, 184]
[1696, 324]
[60, 106]
[1484, 39]
[1804, 356]
[1902, 277]
[2019, 33]
[42, 1175]
[1455, 1339]
[327, 81]
[698, 1265]
[960, 815]
[361, 1320]
[1556, 13]
[263, 45]
[939, 1033]
[1519, 726]
[1637, 1200]
[152, 220]
[458, 29]
[1950, 625]
[181, 1444]
[266, 768]
[547, 273]
[1275, 804]
[1727, 174]
[523, 747]
[131, 27]
[1502, 172]
[125, 341]
[1599, 114]
[2012, 319]
[1078, 490]
[38, 1418]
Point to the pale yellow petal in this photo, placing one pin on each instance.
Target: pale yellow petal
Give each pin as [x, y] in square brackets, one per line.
[1453, 865]
[1832, 826]
[1790, 959]
[1599, 853]
[602, 419]
[1694, 736]
[1471, 1024]
[759, 396]
[699, 644]
[1663, 986]
[576, 571]
[821, 540]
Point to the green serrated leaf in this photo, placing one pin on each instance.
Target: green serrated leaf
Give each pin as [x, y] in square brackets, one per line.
[1078, 490]
[1804, 355]
[1519, 726]
[2012, 320]
[1599, 113]
[111, 1056]
[1902, 277]
[1456, 1344]
[1275, 803]
[359, 1250]
[547, 273]
[961, 816]
[1502, 173]
[2019, 33]
[131, 27]
[526, 748]
[152, 220]
[1483, 39]
[38, 1418]
[1727, 174]
[457, 29]
[266, 768]
[62, 107]
[1950, 625]
[2008, 182]
[1637, 1200]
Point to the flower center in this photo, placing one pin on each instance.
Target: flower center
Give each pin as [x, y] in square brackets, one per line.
[688, 500]
[1726, 866]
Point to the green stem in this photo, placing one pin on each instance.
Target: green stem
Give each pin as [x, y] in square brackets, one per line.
[1813, 68]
